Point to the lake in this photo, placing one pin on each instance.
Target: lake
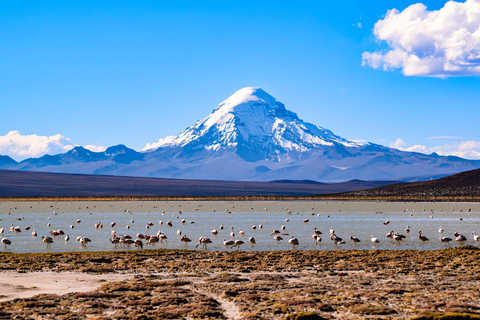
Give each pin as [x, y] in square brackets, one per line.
[351, 218]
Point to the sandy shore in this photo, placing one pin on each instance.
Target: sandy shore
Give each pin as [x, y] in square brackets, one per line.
[175, 284]
[234, 206]
[15, 285]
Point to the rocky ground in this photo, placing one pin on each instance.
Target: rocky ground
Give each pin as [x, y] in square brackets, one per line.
[175, 284]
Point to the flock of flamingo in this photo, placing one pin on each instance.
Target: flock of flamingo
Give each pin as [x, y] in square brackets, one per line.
[140, 239]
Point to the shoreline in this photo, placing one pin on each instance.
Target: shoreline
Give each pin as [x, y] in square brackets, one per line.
[253, 198]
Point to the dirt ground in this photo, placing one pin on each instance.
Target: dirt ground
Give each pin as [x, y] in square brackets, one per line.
[176, 284]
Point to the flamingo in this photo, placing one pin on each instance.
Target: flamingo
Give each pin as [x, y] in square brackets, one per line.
[139, 244]
[112, 224]
[374, 240]
[128, 242]
[252, 241]
[169, 223]
[407, 230]
[214, 232]
[440, 230]
[47, 240]
[2, 230]
[446, 239]
[204, 241]
[162, 237]
[237, 243]
[306, 220]
[34, 233]
[179, 233]
[282, 228]
[397, 237]
[475, 237]
[84, 241]
[260, 226]
[389, 235]
[421, 237]
[294, 241]
[275, 231]
[241, 232]
[355, 240]
[336, 239]
[317, 232]
[232, 234]
[67, 237]
[183, 221]
[114, 240]
[332, 231]
[6, 242]
[221, 227]
[460, 238]
[152, 240]
[317, 239]
[79, 221]
[386, 222]
[254, 227]
[278, 238]
[228, 242]
[185, 239]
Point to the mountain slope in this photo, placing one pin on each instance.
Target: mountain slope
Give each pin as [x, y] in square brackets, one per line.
[44, 184]
[252, 136]
[457, 185]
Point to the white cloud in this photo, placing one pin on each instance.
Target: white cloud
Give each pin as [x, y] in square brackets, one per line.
[464, 149]
[439, 43]
[20, 147]
[399, 143]
[158, 144]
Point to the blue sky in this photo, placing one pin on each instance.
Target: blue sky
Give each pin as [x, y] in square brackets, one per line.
[132, 72]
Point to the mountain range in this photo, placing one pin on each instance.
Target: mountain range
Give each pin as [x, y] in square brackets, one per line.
[252, 136]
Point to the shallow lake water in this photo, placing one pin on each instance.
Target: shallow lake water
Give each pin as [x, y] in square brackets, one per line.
[359, 219]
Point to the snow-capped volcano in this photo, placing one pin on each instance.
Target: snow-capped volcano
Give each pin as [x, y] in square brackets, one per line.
[252, 136]
[258, 126]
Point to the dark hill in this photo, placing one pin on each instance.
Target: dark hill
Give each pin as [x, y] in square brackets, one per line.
[44, 184]
[464, 184]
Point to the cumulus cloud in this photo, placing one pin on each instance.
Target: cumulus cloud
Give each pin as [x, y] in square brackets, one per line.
[158, 144]
[19, 146]
[399, 143]
[464, 149]
[440, 43]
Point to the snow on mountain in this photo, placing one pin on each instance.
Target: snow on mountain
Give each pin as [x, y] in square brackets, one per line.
[252, 136]
[251, 120]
